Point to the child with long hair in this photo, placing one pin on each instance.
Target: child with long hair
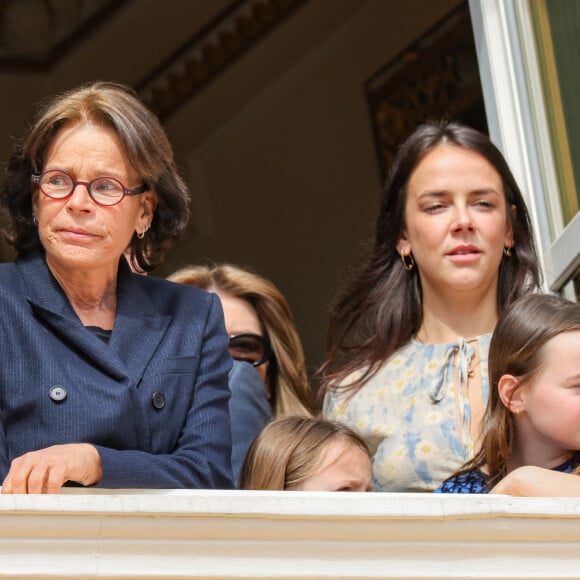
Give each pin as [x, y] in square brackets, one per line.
[533, 413]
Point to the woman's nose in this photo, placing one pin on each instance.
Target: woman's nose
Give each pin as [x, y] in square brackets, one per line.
[462, 218]
[80, 199]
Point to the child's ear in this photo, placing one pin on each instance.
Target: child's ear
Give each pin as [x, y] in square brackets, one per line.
[510, 392]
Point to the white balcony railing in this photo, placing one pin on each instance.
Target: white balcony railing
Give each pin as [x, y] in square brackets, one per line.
[250, 535]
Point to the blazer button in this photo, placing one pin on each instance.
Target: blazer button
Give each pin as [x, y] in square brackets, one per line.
[158, 400]
[57, 393]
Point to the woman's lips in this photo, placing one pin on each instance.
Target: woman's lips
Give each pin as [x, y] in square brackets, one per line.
[464, 254]
[76, 233]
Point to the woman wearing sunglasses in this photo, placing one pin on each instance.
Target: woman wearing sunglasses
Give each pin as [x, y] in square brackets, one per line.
[262, 333]
[261, 330]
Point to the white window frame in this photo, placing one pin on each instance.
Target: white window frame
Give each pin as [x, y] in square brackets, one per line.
[518, 125]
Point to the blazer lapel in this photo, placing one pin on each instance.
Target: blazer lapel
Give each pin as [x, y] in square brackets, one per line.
[139, 328]
[135, 335]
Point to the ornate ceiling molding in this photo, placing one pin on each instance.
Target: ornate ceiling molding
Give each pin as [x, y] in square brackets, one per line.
[34, 34]
[211, 51]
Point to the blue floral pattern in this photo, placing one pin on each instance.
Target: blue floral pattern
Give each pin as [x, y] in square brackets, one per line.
[413, 415]
[475, 481]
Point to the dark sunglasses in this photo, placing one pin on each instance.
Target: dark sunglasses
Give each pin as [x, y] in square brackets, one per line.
[251, 348]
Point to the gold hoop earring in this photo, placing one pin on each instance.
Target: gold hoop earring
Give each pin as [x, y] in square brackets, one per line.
[410, 264]
[507, 251]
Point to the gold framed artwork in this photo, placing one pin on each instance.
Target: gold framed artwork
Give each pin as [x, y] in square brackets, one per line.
[435, 77]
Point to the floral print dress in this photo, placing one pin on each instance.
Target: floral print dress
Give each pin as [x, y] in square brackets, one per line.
[415, 413]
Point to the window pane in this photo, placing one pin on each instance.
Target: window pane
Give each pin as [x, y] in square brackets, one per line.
[557, 27]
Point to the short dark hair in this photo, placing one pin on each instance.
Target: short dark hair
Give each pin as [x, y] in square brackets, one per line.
[146, 146]
[382, 307]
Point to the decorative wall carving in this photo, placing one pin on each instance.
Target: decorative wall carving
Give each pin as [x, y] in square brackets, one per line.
[436, 77]
[211, 51]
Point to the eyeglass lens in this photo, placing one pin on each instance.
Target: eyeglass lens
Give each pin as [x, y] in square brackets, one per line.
[249, 348]
[104, 190]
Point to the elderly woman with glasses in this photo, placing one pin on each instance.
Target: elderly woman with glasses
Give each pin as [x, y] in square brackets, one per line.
[108, 378]
[262, 333]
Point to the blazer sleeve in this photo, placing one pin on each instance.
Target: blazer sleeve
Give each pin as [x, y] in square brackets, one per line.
[249, 411]
[4, 461]
[201, 458]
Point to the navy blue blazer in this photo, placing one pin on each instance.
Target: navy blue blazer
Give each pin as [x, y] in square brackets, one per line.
[154, 400]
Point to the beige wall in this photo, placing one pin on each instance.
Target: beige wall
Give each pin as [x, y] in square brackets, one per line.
[289, 185]
[278, 150]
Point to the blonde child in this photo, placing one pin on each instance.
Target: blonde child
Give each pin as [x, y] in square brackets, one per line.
[306, 454]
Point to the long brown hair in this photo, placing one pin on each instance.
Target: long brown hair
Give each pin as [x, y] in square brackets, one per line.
[287, 451]
[517, 349]
[147, 149]
[381, 309]
[287, 377]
